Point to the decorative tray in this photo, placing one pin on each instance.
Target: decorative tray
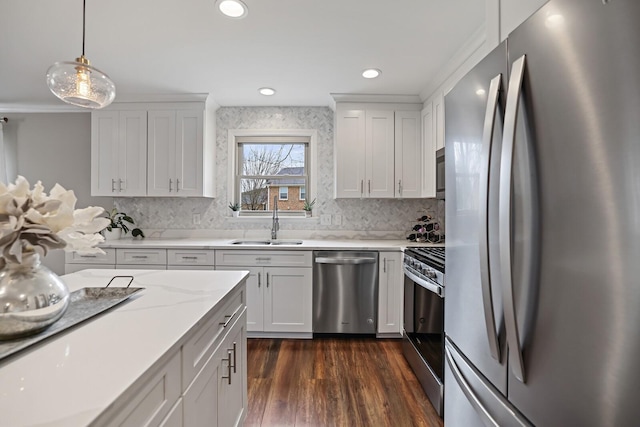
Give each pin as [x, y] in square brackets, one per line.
[83, 304]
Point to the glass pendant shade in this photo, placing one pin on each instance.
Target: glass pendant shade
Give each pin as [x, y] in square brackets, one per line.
[80, 84]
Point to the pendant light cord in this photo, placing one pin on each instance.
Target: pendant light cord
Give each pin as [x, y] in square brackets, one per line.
[84, 7]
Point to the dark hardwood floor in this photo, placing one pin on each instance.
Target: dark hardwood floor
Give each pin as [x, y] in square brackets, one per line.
[334, 382]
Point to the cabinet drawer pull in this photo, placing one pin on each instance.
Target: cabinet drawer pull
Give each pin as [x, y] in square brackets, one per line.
[229, 317]
[190, 257]
[88, 256]
[139, 256]
[263, 258]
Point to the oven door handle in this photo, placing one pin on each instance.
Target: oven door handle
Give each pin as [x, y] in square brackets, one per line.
[436, 289]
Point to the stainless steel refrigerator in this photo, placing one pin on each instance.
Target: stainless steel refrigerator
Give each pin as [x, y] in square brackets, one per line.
[542, 307]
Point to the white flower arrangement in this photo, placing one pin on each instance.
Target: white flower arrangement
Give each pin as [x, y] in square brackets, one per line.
[33, 222]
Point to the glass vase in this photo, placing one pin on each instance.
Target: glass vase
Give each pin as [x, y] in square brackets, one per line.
[32, 298]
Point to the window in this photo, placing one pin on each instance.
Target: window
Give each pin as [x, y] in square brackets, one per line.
[284, 193]
[266, 164]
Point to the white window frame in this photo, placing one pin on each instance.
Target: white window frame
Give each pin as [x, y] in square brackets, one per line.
[280, 192]
[232, 162]
[300, 192]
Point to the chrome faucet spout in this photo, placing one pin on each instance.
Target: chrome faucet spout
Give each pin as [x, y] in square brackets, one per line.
[275, 226]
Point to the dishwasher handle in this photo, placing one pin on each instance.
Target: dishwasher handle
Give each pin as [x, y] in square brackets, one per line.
[325, 260]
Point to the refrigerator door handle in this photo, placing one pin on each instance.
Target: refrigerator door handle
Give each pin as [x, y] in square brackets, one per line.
[487, 419]
[504, 228]
[485, 277]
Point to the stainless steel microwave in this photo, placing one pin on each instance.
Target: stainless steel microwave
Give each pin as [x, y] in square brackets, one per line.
[440, 174]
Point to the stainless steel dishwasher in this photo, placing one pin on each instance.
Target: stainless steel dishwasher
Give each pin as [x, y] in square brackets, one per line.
[345, 292]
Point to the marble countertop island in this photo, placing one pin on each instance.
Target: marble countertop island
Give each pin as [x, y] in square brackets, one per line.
[72, 378]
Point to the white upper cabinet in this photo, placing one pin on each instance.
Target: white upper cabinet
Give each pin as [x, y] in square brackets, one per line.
[408, 154]
[160, 149]
[373, 148]
[176, 153]
[118, 153]
[432, 140]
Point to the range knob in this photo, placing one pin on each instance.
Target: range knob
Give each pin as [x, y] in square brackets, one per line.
[431, 274]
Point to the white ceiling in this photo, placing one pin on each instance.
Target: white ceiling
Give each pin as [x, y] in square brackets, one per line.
[305, 49]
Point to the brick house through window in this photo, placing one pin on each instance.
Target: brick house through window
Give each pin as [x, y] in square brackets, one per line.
[295, 190]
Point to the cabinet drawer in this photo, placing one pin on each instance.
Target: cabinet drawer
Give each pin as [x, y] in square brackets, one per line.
[141, 256]
[152, 402]
[72, 268]
[190, 257]
[109, 257]
[275, 258]
[203, 342]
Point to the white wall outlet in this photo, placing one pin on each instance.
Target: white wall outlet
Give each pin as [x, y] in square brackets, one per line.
[325, 219]
[196, 219]
[337, 219]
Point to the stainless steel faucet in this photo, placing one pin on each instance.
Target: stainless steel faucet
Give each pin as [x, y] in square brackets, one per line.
[275, 226]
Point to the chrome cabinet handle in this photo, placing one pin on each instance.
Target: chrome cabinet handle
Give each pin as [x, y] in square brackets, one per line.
[325, 260]
[369, 184]
[177, 185]
[267, 280]
[259, 279]
[170, 183]
[529, 222]
[263, 259]
[400, 187]
[190, 257]
[113, 185]
[485, 279]
[229, 317]
[361, 187]
[88, 256]
[120, 185]
[384, 265]
[228, 377]
[235, 348]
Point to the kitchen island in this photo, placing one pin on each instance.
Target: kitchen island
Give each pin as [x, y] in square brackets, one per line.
[173, 354]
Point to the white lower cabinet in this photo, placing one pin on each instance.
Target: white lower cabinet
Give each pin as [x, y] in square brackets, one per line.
[279, 288]
[390, 290]
[217, 395]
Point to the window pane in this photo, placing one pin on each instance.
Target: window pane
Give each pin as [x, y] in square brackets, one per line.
[273, 159]
[284, 193]
[254, 194]
[303, 193]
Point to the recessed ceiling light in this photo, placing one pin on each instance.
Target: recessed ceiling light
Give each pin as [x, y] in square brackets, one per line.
[480, 92]
[371, 73]
[233, 8]
[267, 91]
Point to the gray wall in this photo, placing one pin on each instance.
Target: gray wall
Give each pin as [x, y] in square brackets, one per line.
[55, 148]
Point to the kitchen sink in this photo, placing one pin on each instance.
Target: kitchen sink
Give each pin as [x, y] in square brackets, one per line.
[266, 242]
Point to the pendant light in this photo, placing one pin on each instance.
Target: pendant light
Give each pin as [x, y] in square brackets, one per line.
[79, 83]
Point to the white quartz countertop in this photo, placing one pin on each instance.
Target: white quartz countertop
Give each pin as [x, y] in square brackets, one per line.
[69, 379]
[307, 244]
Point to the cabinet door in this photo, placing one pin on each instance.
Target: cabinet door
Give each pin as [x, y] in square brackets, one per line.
[350, 153]
[232, 393]
[255, 296]
[161, 178]
[428, 152]
[104, 153]
[200, 400]
[132, 154]
[408, 154]
[287, 299]
[390, 293]
[379, 160]
[438, 120]
[188, 153]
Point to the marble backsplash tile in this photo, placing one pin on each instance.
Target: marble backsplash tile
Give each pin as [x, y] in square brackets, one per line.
[374, 218]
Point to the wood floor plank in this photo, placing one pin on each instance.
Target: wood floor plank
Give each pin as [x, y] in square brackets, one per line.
[334, 382]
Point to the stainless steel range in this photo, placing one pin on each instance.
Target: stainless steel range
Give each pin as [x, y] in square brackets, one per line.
[423, 335]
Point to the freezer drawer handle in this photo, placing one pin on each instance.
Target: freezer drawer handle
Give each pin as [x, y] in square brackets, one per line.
[325, 260]
[485, 277]
[487, 419]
